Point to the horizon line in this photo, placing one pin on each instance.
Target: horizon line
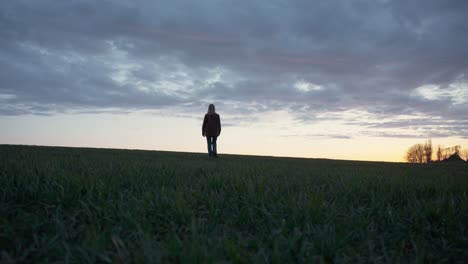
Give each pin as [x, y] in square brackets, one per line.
[193, 152]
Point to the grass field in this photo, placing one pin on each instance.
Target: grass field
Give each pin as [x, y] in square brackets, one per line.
[78, 205]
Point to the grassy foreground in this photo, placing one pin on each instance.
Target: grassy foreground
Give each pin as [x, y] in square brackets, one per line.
[97, 205]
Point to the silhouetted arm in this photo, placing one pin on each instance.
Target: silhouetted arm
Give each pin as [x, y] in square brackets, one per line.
[219, 125]
[204, 127]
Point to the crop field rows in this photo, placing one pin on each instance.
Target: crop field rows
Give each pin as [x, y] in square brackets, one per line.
[80, 205]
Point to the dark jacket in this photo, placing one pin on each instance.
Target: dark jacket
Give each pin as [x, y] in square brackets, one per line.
[211, 125]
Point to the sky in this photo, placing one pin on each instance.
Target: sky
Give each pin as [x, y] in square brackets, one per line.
[357, 80]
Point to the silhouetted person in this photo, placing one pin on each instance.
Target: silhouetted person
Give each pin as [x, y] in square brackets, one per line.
[211, 129]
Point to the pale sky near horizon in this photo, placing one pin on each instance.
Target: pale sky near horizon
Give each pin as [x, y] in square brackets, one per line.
[359, 80]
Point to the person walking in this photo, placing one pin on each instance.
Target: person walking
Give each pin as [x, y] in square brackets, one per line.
[211, 129]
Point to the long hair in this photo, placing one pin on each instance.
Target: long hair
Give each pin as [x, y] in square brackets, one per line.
[211, 109]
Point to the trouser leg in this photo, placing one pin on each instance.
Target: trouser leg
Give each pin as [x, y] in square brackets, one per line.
[215, 152]
[208, 142]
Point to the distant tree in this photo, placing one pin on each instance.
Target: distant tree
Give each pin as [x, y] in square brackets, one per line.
[444, 153]
[439, 153]
[456, 150]
[415, 154]
[428, 151]
[422, 153]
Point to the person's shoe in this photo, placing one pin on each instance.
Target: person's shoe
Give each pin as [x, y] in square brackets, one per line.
[215, 155]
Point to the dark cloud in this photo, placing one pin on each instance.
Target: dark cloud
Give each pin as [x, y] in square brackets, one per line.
[305, 57]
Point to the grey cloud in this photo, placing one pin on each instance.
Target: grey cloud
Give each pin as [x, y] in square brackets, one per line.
[320, 136]
[420, 135]
[367, 55]
[421, 128]
[413, 123]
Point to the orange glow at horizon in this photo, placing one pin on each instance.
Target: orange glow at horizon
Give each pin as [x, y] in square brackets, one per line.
[144, 131]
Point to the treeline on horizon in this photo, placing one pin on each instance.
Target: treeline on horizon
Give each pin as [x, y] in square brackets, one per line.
[424, 153]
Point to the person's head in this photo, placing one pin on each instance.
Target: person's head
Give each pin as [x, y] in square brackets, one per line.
[211, 109]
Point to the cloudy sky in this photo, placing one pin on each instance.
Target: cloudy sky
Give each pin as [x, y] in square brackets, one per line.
[336, 79]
